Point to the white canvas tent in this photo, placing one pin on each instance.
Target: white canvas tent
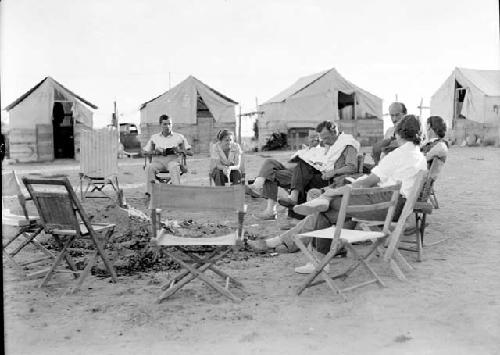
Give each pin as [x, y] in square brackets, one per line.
[469, 102]
[44, 122]
[318, 97]
[197, 111]
[180, 102]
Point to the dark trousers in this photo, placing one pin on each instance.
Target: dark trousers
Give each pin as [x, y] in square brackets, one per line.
[304, 178]
[276, 175]
[220, 178]
[329, 218]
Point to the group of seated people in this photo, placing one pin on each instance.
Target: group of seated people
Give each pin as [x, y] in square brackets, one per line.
[399, 157]
[317, 171]
[167, 147]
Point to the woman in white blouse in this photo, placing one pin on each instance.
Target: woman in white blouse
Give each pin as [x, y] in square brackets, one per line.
[226, 159]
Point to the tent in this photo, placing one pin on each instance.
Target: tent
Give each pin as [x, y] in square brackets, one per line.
[45, 122]
[197, 110]
[323, 96]
[469, 102]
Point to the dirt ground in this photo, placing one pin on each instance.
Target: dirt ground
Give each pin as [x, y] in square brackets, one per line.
[449, 305]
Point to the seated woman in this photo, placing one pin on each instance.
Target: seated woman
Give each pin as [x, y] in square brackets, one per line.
[402, 164]
[226, 157]
[437, 146]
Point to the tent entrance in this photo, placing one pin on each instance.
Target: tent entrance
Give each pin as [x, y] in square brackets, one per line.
[205, 124]
[346, 106]
[458, 102]
[62, 125]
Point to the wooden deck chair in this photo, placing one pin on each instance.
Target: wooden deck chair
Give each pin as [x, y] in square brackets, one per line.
[99, 163]
[345, 237]
[423, 207]
[22, 224]
[197, 198]
[62, 216]
[342, 237]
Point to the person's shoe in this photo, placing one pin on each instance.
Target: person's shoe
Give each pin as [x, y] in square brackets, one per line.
[252, 191]
[287, 202]
[309, 269]
[257, 244]
[313, 206]
[266, 216]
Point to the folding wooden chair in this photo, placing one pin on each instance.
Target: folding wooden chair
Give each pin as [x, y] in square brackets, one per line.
[197, 198]
[99, 163]
[22, 224]
[62, 216]
[423, 207]
[346, 237]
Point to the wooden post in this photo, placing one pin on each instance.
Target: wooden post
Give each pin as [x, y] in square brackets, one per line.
[239, 127]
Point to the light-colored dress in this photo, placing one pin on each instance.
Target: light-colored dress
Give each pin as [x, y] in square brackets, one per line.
[219, 160]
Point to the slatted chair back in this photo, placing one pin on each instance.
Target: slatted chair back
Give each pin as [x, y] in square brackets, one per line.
[347, 207]
[411, 199]
[428, 183]
[99, 152]
[56, 202]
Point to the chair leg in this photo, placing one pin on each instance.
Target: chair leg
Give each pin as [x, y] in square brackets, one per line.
[100, 251]
[29, 239]
[419, 226]
[208, 281]
[59, 258]
[319, 265]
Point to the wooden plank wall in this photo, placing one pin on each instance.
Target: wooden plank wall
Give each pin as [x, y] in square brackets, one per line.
[22, 144]
[487, 133]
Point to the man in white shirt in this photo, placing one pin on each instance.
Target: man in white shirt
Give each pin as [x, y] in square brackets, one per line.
[165, 148]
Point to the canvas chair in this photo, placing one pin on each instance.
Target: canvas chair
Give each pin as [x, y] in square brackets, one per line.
[24, 226]
[99, 163]
[62, 216]
[347, 237]
[197, 198]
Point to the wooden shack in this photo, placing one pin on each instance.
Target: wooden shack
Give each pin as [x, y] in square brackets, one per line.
[319, 97]
[197, 111]
[45, 123]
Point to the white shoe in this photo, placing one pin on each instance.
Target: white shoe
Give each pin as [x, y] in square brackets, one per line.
[309, 269]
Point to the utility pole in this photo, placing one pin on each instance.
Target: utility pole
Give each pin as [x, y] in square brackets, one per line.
[114, 119]
[239, 127]
[422, 123]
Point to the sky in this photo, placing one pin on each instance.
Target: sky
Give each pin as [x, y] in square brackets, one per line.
[132, 51]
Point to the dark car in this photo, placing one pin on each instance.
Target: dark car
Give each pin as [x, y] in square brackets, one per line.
[129, 138]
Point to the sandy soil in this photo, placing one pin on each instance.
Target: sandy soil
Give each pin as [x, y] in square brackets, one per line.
[450, 304]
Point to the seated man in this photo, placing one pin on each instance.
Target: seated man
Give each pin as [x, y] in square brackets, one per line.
[403, 164]
[397, 110]
[338, 157]
[165, 148]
